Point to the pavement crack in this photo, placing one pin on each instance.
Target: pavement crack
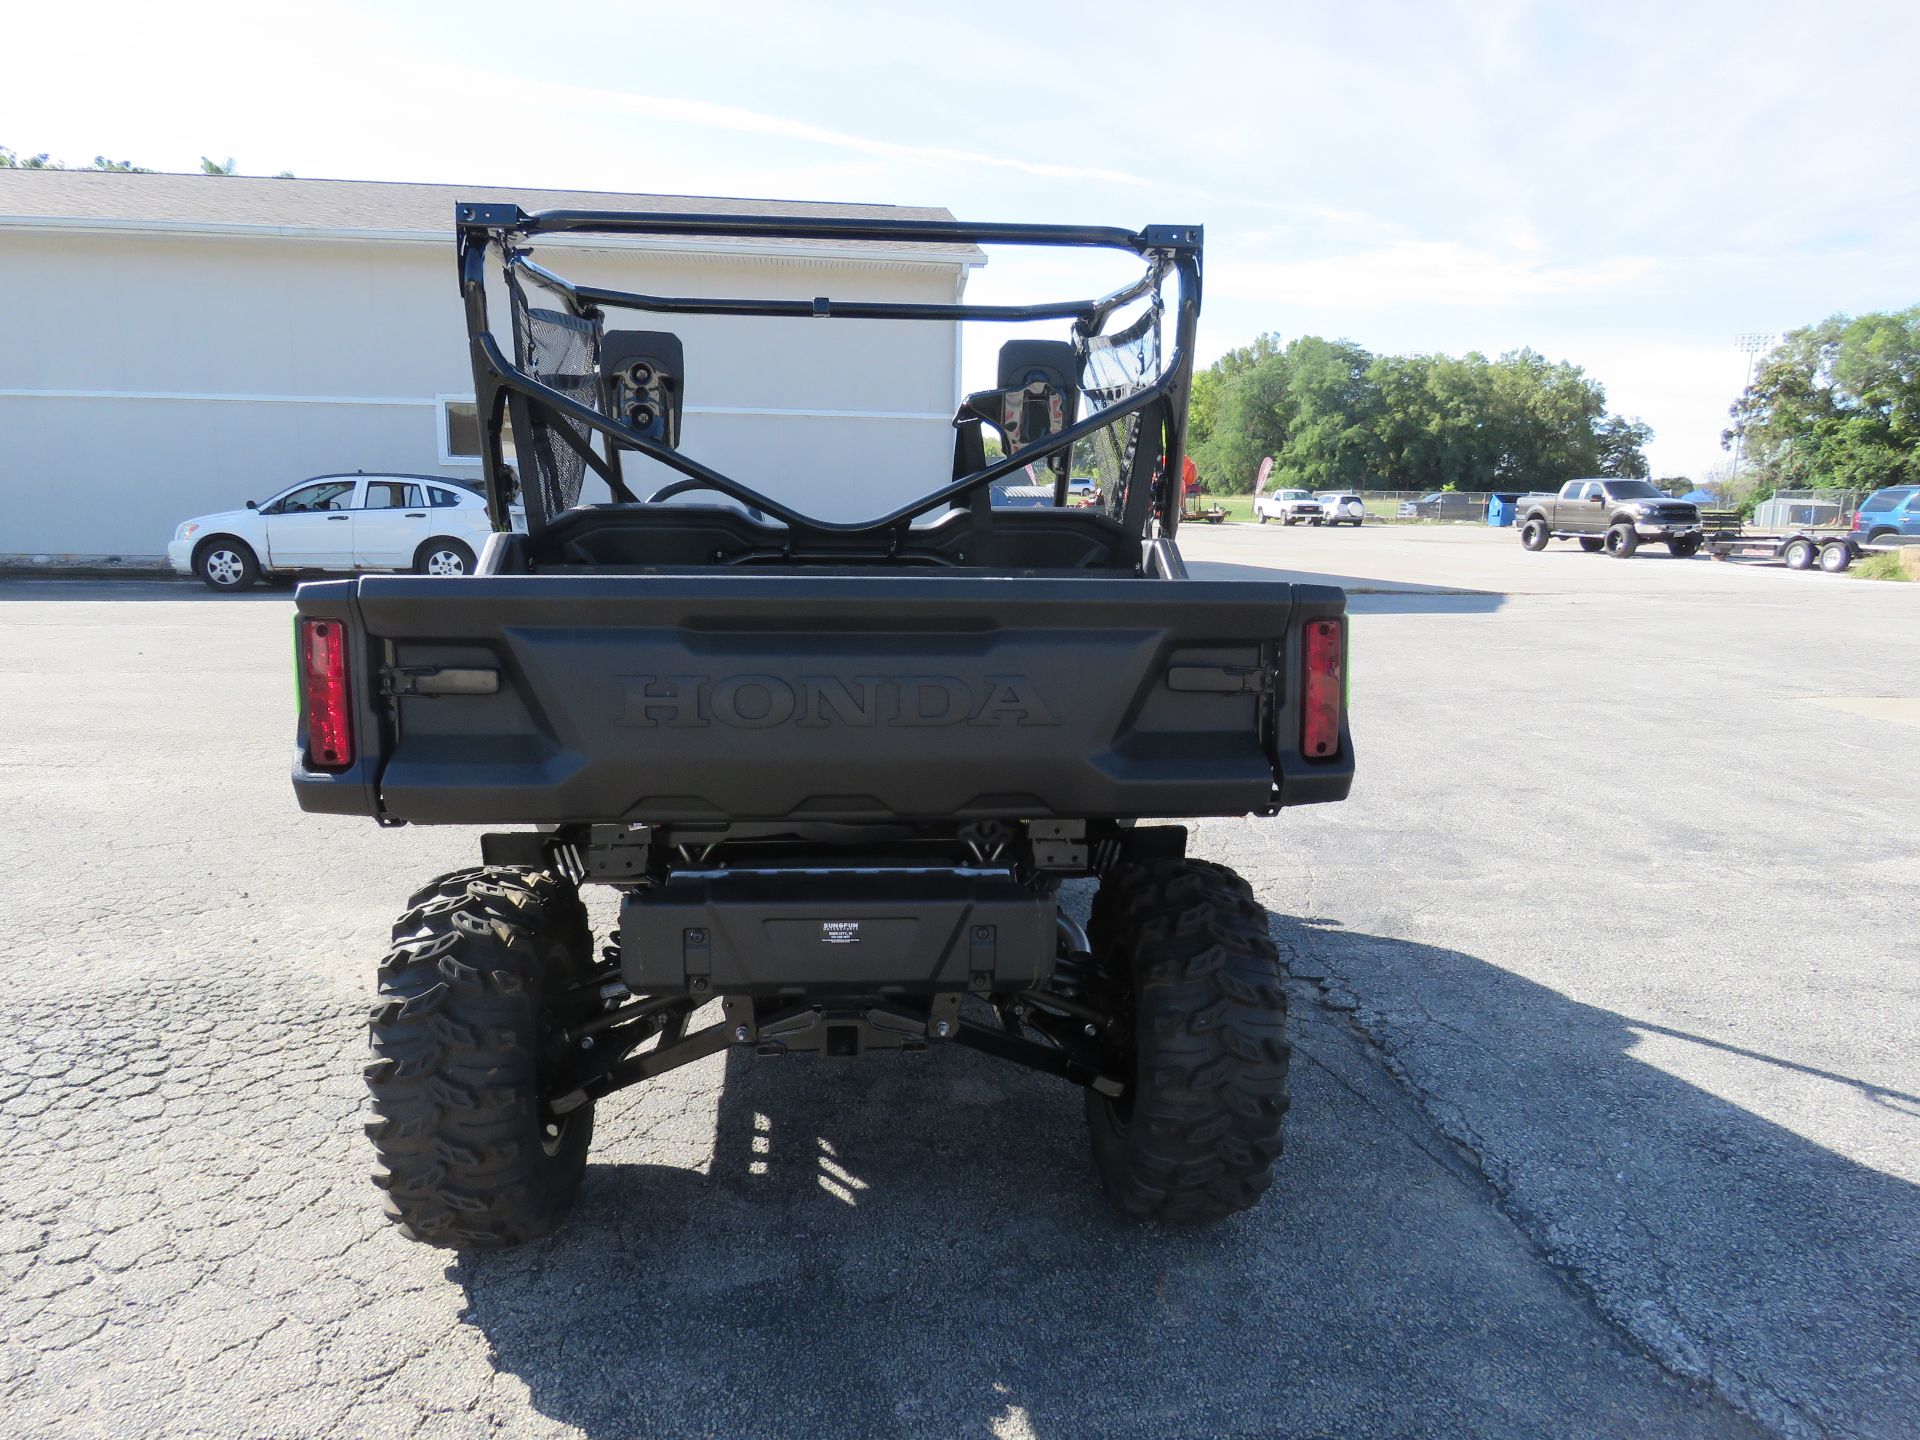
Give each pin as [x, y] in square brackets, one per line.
[1336, 1005]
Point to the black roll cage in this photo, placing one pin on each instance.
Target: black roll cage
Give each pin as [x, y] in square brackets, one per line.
[499, 384]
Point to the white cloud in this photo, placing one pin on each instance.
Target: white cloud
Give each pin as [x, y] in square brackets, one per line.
[1507, 173]
[1415, 272]
[708, 115]
[1682, 389]
[412, 103]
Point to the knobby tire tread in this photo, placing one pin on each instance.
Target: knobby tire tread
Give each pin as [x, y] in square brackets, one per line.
[1203, 1128]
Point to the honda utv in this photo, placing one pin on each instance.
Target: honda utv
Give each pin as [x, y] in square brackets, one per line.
[837, 770]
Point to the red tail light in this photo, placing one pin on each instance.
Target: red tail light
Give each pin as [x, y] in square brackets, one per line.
[323, 675]
[1324, 691]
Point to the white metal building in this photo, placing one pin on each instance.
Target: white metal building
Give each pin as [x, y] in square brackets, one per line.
[177, 344]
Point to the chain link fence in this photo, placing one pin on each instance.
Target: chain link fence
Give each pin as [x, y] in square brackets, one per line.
[1808, 510]
[1420, 505]
[1784, 510]
[1427, 504]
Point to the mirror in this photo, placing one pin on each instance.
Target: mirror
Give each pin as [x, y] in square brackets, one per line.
[253, 504]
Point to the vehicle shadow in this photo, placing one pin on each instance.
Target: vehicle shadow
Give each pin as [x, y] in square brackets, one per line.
[1744, 1253]
[1405, 597]
[916, 1245]
[20, 587]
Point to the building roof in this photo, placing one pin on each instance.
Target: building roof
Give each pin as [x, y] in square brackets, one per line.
[389, 210]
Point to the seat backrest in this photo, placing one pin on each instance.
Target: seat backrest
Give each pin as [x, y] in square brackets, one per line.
[699, 536]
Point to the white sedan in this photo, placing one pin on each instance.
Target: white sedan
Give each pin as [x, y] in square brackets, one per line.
[424, 523]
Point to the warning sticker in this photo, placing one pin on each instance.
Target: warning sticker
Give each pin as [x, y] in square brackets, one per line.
[839, 932]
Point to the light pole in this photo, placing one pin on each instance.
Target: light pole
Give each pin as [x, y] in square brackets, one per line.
[1752, 343]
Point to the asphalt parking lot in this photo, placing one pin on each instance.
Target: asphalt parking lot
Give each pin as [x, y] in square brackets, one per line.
[1607, 1096]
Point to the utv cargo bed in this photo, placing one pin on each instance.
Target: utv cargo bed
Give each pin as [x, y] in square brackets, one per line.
[827, 698]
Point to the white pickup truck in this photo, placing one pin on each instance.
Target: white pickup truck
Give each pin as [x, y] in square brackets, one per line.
[1289, 506]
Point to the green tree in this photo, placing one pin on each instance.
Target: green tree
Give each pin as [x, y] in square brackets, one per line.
[1547, 415]
[1334, 416]
[1623, 445]
[1434, 421]
[11, 161]
[1250, 418]
[1234, 362]
[1203, 404]
[1836, 405]
[214, 167]
[1333, 408]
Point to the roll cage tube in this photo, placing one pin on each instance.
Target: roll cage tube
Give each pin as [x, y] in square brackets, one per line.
[479, 227]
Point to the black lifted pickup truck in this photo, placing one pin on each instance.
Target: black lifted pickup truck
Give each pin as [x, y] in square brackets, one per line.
[836, 770]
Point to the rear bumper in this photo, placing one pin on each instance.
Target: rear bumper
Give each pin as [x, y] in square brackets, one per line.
[730, 697]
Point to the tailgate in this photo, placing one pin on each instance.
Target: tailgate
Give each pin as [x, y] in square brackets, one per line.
[741, 697]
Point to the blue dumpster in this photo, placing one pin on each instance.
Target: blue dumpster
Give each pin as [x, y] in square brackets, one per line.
[1501, 506]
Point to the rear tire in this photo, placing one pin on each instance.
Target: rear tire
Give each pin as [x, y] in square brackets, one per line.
[1798, 554]
[1622, 541]
[443, 556]
[1534, 534]
[1684, 548]
[471, 999]
[1195, 1137]
[1592, 543]
[1835, 556]
[1261, 518]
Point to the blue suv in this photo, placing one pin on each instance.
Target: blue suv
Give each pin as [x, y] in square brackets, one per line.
[1887, 513]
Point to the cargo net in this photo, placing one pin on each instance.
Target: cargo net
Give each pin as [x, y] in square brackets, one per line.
[561, 351]
[1114, 368]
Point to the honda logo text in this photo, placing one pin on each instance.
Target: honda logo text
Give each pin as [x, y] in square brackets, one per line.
[814, 702]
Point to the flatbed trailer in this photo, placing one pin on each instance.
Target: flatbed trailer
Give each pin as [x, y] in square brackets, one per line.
[1191, 509]
[1799, 549]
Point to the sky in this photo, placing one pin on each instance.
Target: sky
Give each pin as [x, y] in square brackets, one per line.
[1627, 186]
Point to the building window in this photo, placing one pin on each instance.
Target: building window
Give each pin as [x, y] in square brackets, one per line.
[460, 433]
